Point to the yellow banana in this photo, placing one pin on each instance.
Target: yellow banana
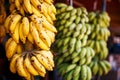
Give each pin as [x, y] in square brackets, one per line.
[53, 9]
[22, 12]
[17, 4]
[29, 66]
[22, 37]
[21, 70]
[19, 48]
[38, 66]
[49, 26]
[15, 19]
[13, 63]
[51, 35]
[48, 55]
[36, 4]
[43, 35]
[15, 35]
[48, 1]
[11, 49]
[28, 5]
[44, 62]
[7, 22]
[8, 43]
[30, 38]
[36, 37]
[35, 11]
[25, 27]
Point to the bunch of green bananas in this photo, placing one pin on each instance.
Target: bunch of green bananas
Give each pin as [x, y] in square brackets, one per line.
[74, 72]
[83, 57]
[100, 67]
[99, 22]
[30, 21]
[97, 40]
[70, 45]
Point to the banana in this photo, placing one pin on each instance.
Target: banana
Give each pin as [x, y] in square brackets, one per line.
[48, 55]
[7, 22]
[15, 35]
[38, 66]
[100, 71]
[83, 52]
[98, 49]
[13, 62]
[36, 37]
[44, 61]
[74, 54]
[76, 59]
[25, 28]
[89, 73]
[15, 19]
[49, 26]
[76, 71]
[104, 67]
[82, 61]
[36, 4]
[72, 26]
[83, 72]
[51, 35]
[95, 68]
[19, 48]
[22, 37]
[70, 67]
[29, 66]
[69, 75]
[28, 5]
[11, 49]
[60, 5]
[108, 65]
[21, 69]
[17, 4]
[8, 43]
[30, 38]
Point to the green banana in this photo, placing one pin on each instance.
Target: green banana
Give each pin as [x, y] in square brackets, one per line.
[70, 67]
[75, 60]
[73, 12]
[89, 73]
[83, 72]
[78, 46]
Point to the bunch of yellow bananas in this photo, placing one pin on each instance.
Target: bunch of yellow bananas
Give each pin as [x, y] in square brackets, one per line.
[32, 31]
[31, 63]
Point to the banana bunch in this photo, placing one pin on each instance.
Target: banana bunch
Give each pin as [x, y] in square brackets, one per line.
[101, 18]
[2, 11]
[73, 55]
[74, 72]
[28, 61]
[100, 67]
[99, 22]
[97, 40]
[28, 64]
[28, 7]
[81, 58]
[36, 29]
[30, 26]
